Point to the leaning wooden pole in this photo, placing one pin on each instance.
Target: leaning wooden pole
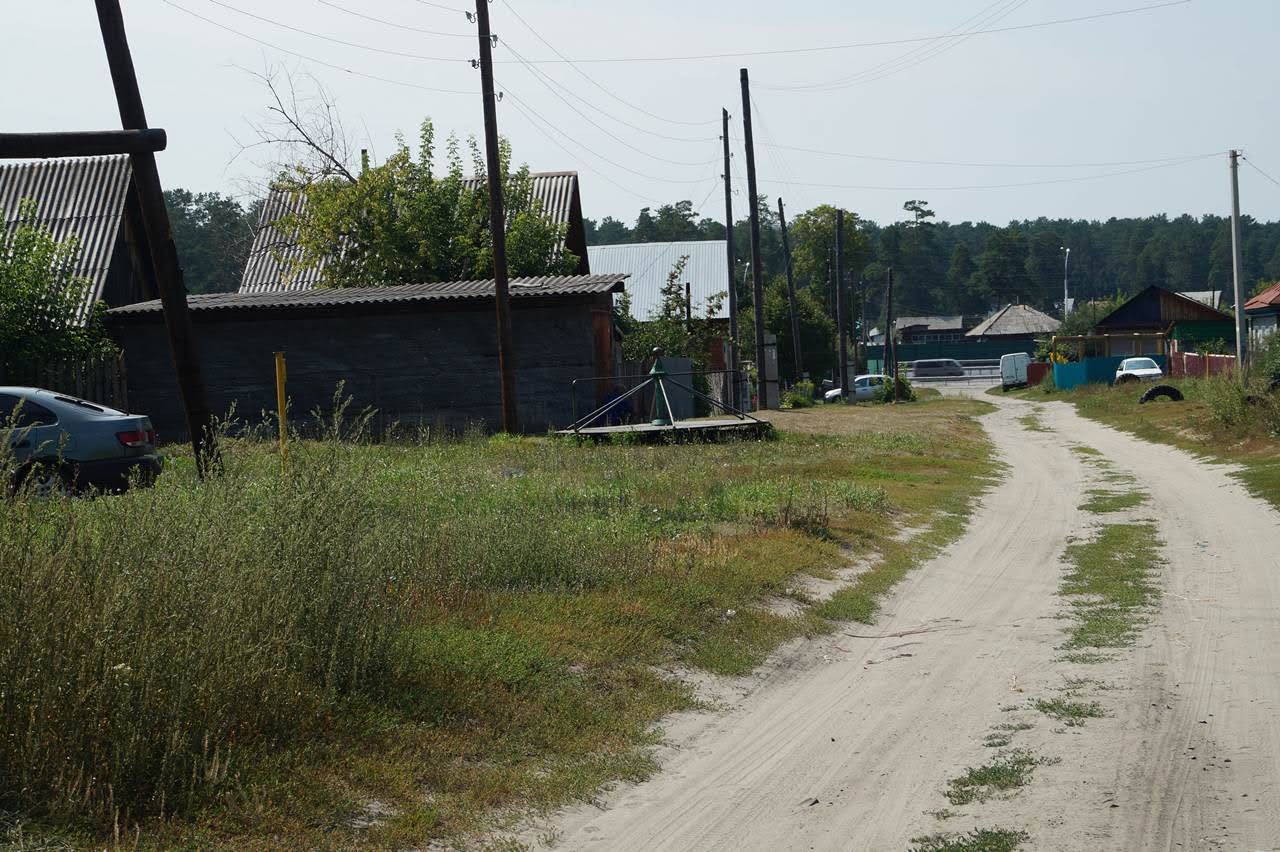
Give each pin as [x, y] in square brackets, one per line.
[164, 254]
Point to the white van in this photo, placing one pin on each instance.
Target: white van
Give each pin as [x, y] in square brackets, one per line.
[1013, 370]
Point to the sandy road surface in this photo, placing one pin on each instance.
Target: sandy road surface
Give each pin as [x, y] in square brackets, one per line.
[848, 742]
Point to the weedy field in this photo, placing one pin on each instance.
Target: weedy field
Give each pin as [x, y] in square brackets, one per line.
[388, 644]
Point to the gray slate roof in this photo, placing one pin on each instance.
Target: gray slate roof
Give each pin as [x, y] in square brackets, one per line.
[649, 264]
[932, 323]
[1015, 321]
[445, 291]
[76, 197]
[273, 250]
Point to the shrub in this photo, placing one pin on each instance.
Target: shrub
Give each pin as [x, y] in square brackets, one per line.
[905, 392]
[800, 396]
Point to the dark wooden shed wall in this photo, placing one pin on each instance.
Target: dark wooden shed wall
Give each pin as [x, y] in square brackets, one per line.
[424, 365]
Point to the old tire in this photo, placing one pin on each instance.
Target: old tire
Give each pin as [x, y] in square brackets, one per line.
[1161, 391]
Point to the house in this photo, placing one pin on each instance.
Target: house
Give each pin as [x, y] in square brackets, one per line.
[273, 252]
[1014, 323]
[94, 200]
[1155, 311]
[948, 329]
[1263, 314]
[706, 272]
[421, 354]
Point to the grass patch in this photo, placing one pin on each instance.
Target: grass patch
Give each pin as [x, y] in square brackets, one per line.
[1008, 771]
[978, 840]
[1086, 658]
[1072, 713]
[1102, 502]
[455, 629]
[1032, 423]
[1110, 586]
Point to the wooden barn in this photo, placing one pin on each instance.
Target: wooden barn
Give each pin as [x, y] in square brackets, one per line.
[1183, 320]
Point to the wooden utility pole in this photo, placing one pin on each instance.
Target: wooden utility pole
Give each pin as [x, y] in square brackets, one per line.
[1237, 267]
[890, 339]
[791, 293]
[733, 266]
[78, 143]
[164, 254]
[757, 261]
[497, 224]
[840, 309]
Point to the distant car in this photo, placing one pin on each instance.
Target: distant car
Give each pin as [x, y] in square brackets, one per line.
[936, 367]
[1013, 370]
[58, 444]
[864, 387]
[1138, 370]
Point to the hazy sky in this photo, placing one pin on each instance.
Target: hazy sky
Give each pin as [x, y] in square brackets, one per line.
[1190, 79]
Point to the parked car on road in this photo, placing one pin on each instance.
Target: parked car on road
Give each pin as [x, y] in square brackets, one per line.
[1138, 370]
[58, 444]
[1013, 370]
[936, 367]
[864, 387]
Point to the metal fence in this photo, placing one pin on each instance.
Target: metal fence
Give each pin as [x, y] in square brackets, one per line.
[639, 408]
[100, 380]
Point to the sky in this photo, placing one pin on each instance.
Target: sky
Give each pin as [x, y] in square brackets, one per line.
[1102, 117]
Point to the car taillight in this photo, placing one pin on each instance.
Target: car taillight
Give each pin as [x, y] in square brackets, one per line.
[151, 436]
[133, 438]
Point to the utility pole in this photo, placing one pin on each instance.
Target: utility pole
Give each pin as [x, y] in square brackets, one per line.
[844, 337]
[791, 293]
[497, 224]
[1237, 264]
[159, 234]
[1066, 299]
[890, 341]
[733, 266]
[757, 262]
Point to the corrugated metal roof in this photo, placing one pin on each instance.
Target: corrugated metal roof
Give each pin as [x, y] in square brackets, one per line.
[268, 269]
[75, 197]
[932, 323]
[445, 291]
[1212, 298]
[1015, 320]
[1268, 298]
[649, 264]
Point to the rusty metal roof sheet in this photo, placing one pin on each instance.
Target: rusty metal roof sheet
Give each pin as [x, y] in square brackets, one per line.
[268, 269]
[649, 264]
[81, 197]
[1015, 321]
[331, 297]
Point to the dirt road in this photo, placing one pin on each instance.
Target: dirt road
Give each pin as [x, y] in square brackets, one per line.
[848, 742]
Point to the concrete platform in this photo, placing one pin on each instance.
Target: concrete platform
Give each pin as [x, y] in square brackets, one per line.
[707, 429]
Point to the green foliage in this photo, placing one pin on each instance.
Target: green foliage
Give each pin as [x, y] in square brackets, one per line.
[400, 223]
[801, 395]
[817, 331]
[41, 299]
[906, 393]
[669, 329]
[213, 233]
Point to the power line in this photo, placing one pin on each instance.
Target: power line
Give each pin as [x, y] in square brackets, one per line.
[865, 44]
[334, 40]
[594, 82]
[446, 8]
[313, 59]
[1257, 169]
[958, 164]
[395, 24]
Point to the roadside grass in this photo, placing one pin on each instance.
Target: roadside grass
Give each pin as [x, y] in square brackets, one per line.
[1002, 735]
[1109, 585]
[1007, 771]
[399, 644]
[1101, 501]
[1072, 713]
[1032, 422]
[978, 840]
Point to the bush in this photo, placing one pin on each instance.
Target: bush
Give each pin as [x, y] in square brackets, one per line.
[800, 396]
[905, 392]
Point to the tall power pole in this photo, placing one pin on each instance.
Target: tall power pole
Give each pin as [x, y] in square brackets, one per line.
[840, 309]
[890, 339]
[791, 293]
[733, 268]
[1237, 264]
[757, 262]
[497, 224]
[164, 254]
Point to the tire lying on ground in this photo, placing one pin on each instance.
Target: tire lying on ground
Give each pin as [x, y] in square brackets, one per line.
[1166, 391]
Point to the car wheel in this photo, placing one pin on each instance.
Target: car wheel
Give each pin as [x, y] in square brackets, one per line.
[1166, 391]
[45, 481]
[1126, 379]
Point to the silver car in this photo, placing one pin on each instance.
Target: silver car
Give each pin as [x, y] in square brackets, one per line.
[58, 444]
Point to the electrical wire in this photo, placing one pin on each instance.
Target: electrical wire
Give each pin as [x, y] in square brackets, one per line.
[395, 24]
[864, 44]
[313, 59]
[332, 39]
[446, 8]
[958, 164]
[1258, 169]
[596, 83]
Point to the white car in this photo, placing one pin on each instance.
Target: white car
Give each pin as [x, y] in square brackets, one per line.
[1138, 370]
[864, 388]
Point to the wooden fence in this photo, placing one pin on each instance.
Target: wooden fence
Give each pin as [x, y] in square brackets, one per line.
[1193, 366]
[100, 380]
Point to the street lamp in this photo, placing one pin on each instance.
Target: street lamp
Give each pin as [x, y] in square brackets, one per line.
[1066, 259]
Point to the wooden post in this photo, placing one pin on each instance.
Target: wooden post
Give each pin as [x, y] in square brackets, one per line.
[497, 224]
[757, 258]
[282, 409]
[733, 269]
[164, 255]
[841, 309]
[791, 294]
[82, 143]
